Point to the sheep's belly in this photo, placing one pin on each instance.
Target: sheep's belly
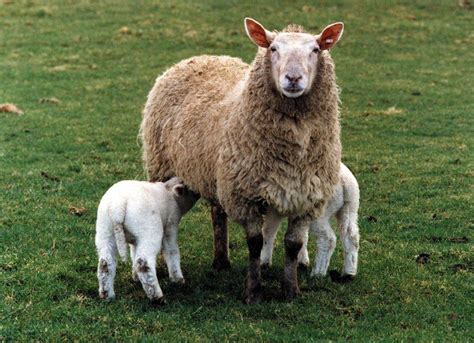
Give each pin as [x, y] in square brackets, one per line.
[294, 197]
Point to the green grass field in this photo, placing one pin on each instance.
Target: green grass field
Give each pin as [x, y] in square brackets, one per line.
[406, 72]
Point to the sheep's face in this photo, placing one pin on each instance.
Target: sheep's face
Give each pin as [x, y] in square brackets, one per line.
[293, 55]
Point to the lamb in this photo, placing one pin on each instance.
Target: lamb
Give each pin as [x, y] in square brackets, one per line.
[344, 205]
[145, 215]
[252, 139]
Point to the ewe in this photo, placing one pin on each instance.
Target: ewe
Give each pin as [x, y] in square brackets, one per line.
[344, 205]
[145, 215]
[253, 138]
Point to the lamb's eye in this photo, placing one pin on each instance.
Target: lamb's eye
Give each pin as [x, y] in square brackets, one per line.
[316, 50]
[273, 49]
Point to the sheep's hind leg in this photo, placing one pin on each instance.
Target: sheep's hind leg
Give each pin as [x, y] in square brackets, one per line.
[221, 239]
[326, 243]
[303, 258]
[350, 242]
[294, 239]
[253, 283]
[106, 270]
[270, 229]
[145, 265]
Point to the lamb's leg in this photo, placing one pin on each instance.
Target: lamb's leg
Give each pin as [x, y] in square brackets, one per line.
[294, 237]
[303, 258]
[326, 242]
[107, 266]
[132, 257]
[171, 254]
[221, 239]
[253, 286]
[145, 265]
[349, 229]
[270, 229]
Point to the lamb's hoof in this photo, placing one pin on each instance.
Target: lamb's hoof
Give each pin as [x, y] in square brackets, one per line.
[106, 296]
[290, 291]
[338, 278]
[157, 302]
[220, 264]
[178, 281]
[135, 277]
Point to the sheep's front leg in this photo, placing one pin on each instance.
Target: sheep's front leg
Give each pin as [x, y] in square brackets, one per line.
[270, 229]
[171, 254]
[132, 256]
[253, 285]
[294, 239]
[221, 239]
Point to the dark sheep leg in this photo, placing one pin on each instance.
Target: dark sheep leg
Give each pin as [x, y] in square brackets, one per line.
[294, 238]
[221, 239]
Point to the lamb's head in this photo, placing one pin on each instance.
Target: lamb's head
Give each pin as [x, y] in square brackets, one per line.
[293, 54]
[184, 197]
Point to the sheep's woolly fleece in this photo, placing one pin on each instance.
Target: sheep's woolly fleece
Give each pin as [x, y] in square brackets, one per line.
[222, 126]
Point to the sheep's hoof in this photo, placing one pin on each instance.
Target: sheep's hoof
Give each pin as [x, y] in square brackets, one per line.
[338, 278]
[303, 267]
[253, 296]
[106, 296]
[291, 290]
[157, 302]
[179, 281]
[220, 264]
[253, 292]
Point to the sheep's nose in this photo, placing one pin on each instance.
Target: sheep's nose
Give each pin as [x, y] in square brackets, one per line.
[293, 78]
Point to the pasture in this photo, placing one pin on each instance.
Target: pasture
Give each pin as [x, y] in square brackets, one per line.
[81, 70]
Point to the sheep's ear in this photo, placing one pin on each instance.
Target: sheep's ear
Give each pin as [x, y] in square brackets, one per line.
[179, 189]
[330, 36]
[257, 33]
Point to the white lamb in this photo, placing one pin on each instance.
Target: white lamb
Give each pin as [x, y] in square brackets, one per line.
[145, 215]
[344, 204]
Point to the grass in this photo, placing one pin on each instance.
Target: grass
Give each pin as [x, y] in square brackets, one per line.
[405, 70]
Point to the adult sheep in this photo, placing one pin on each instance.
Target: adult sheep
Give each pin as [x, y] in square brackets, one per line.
[256, 138]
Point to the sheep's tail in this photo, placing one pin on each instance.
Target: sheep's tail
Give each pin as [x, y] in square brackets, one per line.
[119, 234]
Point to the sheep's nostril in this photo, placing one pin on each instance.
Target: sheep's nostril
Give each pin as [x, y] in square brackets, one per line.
[293, 78]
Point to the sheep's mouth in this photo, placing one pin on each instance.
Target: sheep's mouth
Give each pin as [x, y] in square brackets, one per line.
[293, 91]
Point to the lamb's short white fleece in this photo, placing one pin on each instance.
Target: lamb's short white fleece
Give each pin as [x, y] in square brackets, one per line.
[145, 215]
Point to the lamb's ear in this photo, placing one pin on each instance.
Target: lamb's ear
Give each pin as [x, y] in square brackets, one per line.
[257, 33]
[179, 189]
[330, 36]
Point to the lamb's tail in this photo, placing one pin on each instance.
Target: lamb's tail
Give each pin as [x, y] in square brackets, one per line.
[119, 234]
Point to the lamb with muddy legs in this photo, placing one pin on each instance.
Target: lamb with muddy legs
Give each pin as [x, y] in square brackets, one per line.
[344, 205]
[146, 216]
[255, 139]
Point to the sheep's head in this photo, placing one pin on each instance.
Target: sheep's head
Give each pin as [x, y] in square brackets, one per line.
[293, 54]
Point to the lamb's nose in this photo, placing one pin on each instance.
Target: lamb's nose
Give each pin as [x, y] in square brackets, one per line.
[293, 78]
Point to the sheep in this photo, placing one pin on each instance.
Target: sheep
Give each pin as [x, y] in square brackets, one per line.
[252, 138]
[344, 205]
[145, 215]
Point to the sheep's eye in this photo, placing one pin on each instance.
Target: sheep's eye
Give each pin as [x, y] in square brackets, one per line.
[273, 49]
[316, 50]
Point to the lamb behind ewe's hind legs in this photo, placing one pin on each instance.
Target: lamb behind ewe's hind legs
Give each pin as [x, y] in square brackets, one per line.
[344, 205]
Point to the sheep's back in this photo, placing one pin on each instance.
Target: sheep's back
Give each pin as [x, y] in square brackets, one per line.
[183, 120]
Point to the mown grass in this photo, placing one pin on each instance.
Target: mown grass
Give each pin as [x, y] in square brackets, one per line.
[414, 164]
